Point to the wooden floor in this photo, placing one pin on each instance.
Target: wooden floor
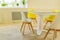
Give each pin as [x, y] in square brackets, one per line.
[12, 32]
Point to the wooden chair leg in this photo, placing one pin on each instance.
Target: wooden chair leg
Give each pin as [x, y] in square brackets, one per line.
[29, 26]
[35, 21]
[32, 28]
[54, 34]
[46, 34]
[22, 26]
[45, 25]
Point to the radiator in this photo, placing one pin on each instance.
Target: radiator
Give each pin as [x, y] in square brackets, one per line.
[16, 16]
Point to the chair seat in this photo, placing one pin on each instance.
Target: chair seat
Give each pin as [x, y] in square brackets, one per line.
[57, 29]
[27, 22]
[53, 28]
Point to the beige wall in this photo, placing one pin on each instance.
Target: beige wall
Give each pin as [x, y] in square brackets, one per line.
[39, 5]
[5, 14]
[44, 4]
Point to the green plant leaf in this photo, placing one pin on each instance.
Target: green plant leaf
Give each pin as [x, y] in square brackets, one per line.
[4, 4]
[23, 2]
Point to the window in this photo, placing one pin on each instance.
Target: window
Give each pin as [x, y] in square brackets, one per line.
[13, 3]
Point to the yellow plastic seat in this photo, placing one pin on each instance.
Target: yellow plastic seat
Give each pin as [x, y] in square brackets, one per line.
[50, 18]
[31, 15]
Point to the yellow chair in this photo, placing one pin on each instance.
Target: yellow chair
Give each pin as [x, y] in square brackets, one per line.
[30, 16]
[50, 19]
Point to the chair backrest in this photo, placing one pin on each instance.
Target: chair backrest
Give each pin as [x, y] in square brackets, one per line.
[27, 15]
[56, 23]
[31, 15]
[50, 17]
